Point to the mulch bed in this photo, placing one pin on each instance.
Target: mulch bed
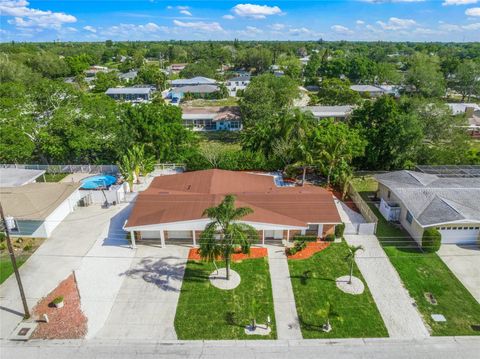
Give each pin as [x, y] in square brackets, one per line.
[348, 201]
[310, 250]
[255, 252]
[68, 322]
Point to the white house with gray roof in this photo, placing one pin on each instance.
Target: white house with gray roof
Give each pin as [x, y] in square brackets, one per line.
[134, 94]
[336, 112]
[419, 201]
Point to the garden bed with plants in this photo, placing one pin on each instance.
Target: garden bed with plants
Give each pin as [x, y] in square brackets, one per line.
[425, 274]
[205, 312]
[318, 299]
[255, 252]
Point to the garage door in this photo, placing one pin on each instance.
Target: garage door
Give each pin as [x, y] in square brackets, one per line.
[150, 234]
[274, 234]
[459, 235]
[179, 234]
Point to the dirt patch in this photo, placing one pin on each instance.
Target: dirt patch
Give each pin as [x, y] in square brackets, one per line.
[348, 201]
[68, 322]
[310, 250]
[255, 252]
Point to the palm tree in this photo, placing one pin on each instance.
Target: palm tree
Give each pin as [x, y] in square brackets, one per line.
[142, 164]
[305, 160]
[125, 166]
[351, 256]
[225, 233]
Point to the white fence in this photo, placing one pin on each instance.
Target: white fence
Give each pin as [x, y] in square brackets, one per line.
[110, 169]
[360, 228]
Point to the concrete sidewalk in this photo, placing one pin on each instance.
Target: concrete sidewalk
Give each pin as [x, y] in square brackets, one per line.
[288, 326]
[401, 318]
[54, 261]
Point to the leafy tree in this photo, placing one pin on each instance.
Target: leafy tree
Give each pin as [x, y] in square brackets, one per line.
[151, 74]
[225, 233]
[291, 66]
[425, 77]
[360, 69]
[393, 135]
[201, 68]
[352, 251]
[105, 80]
[337, 92]
[311, 69]
[466, 79]
[79, 63]
[387, 73]
[48, 65]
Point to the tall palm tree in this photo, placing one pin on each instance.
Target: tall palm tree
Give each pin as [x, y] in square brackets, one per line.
[351, 257]
[225, 232]
[125, 166]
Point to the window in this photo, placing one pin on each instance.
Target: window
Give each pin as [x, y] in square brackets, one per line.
[409, 217]
[388, 194]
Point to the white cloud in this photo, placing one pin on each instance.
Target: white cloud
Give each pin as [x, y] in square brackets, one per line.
[340, 29]
[185, 12]
[199, 25]
[394, 23]
[300, 31]
[256, 11]
[474, 26]
[228, 17]
[459, 2]
[277, 27]
[24, 16]
[360, 22]
[133, 30]
[183, 7]
[474, 11]
[90, 28]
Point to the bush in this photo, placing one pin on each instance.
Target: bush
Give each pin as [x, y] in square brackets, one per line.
[300, 245]
[330, 237]
[58, 299]
[305, 238]
[291, 251]
[431, 240]
[339, 229]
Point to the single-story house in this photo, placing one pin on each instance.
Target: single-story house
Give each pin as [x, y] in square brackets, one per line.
[472, 114]
[171, 209]
[36, 209]
[92, 71]
[419, 200]
[237, 83]
[213, 118]
[199, 90]
[194, 81]
[15, 177]
[176, 68]
[374, 90]
[339, 113]
[131, 93]
[128, 76]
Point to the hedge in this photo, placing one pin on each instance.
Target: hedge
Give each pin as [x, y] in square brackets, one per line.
[330, 237]
[431, 240]
[305, 238]
[339, 229]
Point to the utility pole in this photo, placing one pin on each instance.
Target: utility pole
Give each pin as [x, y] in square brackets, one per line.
[14, 264]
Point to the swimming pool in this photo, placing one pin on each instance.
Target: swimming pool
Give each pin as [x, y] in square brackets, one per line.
[98, 181]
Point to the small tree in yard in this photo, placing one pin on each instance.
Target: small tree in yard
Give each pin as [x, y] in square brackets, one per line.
[225, 233]
[351, 257]
[431, 240]
[339, 229]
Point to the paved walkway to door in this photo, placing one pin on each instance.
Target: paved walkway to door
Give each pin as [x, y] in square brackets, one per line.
[401, 318]
[145, 306]
[288, 326]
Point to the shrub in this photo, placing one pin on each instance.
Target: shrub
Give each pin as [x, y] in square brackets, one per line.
[300, 245]
[291, 251]
[330, 237]
[339, 229]
[2, 236]
[305, 238]
[3, 246]
[431, 240]
[27, 247]
[58, 299]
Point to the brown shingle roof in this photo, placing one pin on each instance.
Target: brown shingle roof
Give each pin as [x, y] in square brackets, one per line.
[185, 196]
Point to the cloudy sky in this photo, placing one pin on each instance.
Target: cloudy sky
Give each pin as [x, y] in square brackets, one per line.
[85, 20]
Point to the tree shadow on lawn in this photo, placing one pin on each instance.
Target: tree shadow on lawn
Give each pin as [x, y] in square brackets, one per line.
[230, 319]
[307, 275]
[310, 326]
[159, 272]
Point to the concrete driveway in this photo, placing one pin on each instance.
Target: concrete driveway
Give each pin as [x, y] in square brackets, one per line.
[54, 261]
[146, 303]
[464, 262]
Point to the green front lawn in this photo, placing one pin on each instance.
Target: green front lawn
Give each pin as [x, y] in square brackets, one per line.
[422, 273]
[52, 177]
[206, 312]
[6, 268]
[314, 286]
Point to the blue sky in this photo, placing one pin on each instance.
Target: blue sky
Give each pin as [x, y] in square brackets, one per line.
[390, 20]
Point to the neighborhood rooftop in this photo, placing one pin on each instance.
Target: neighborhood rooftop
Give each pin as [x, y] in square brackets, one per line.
[215, 113]
[199, 80]
[35, 201]
[129, 90]
[13, 177]
[329, 111]
[432, 199]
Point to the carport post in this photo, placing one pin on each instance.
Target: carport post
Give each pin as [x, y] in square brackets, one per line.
[132, 239]
[194, 239]
[263, 237]
[288, 235]
[162, 238]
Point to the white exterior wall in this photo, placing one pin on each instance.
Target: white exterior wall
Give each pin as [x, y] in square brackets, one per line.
[57, 216]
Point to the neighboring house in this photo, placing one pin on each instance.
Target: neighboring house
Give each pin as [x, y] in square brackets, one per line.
[375, 91]
[171, 209]
[339, 113]
[94, 70]
[36, 209]
[15, 177]
[212, 118]
[419, 201]
[194, 81]
[197, 90]
[134, 94]
[128, 76]
[176, 68]
[304, 60]
[472, 114]
[237, 83]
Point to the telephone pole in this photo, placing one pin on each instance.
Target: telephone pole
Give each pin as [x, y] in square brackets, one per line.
[14, 264]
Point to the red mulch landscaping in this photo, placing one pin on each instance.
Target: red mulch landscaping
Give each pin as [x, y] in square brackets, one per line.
[68, 322]
[310, 250]
[348, 201]
[255, 252]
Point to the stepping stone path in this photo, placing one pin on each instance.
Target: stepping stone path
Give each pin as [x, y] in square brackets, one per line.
[356, 287]
[219, 279]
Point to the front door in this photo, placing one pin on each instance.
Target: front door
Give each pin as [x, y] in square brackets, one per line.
[274, 234]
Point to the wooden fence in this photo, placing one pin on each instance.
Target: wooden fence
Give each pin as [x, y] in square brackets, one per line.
[365, 210]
